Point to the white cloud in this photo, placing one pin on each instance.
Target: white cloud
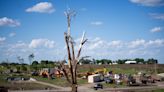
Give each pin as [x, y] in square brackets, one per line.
[95, 47]
[41, 43]
[115, 44]
[2, 39]
[155, 43]
[155, 29]
[19, 45]
[42, 7]
[9, 22]
[157, 16]
[96, 23]
[12, 34]
[137, 43]
[99, 48]
[96, 43]
[19, 48]
[137, 51]
[149, 2]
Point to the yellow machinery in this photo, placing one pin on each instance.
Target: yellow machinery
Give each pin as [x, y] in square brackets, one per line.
[102, 71]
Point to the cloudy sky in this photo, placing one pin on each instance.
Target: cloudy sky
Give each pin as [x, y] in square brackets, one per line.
[116, 29]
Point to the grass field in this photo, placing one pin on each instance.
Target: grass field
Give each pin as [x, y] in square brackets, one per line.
[158, 90]
[125, 69]
[20, 86]
[59, 81]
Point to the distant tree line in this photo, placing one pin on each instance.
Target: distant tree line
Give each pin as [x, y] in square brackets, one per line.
[36, 65]
[23, 67]
[119, 61]
[49, 63]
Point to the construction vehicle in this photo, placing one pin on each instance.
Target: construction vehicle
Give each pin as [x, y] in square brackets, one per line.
[101, 71]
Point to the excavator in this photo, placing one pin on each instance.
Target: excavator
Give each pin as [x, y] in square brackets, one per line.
[102, 71]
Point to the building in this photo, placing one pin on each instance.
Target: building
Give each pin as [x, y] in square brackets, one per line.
[130, 62]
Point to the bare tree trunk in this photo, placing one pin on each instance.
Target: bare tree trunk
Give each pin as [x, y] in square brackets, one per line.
[72, 59]
[74, 87]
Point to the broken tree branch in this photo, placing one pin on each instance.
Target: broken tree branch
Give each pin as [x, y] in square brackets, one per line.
[69, 56]
[65, 72]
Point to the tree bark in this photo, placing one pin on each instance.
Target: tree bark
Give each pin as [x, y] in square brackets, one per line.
[74, 88]
[72, 59]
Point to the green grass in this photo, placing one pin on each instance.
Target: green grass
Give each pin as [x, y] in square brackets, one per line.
[82, 81]
[3, 82]
[20, 86]
[158, 90]
[114, 69]
[123, 71]
[59, 81]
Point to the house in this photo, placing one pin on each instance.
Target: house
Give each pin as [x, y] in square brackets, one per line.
[130, 62]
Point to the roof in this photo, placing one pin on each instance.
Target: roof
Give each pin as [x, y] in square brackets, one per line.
[128, 62]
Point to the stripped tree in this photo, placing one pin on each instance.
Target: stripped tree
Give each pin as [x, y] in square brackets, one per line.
[73, 59]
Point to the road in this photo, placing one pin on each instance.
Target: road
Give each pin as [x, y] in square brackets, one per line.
[88, 88]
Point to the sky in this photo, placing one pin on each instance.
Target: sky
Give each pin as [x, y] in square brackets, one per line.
[115, 29]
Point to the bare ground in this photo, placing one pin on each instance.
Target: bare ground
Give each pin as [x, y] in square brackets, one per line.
[89, 88]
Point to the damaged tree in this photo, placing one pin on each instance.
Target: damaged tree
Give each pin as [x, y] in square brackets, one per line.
[73, 59]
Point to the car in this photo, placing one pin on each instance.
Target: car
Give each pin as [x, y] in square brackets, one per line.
[131, 81]
[10, 78]
[97, 86]
[34, 73]
[109, 81]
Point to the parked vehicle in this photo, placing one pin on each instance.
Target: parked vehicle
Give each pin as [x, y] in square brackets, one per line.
[97, 86]
[17, 78]
[35, 73]
[108, 80]
[131, 81]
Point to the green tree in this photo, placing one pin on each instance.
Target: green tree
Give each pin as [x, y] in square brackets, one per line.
[85, 61]
[152, 61]
[119, 61]
[140, 60]
[24, 68]
[35, 63]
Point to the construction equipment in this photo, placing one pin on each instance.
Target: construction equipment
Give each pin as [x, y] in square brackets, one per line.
[101, 71]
